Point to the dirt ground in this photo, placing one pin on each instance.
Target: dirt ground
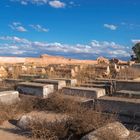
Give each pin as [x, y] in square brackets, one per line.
[11, 132]
[8, 131]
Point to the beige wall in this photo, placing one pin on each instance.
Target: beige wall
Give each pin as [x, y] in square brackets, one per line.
[12, 60]
[45, 60]
[59, 60]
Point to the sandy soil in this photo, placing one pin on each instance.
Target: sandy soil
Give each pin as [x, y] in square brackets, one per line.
[10, 132]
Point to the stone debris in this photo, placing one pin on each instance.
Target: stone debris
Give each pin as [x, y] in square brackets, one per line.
[25, 121]
[117, 130]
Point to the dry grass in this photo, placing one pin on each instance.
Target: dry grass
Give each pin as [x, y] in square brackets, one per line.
[5, 86]
[70, 129]
[79, 120]
[48, 131]
[87, 73]
[128, 73]
[8, 112]
[56, 103]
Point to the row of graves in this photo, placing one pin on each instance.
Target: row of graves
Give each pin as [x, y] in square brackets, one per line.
[54, 70]
[61, 70]
[120, 97]
[64, 70]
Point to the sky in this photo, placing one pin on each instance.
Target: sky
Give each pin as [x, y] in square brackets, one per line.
[82, 29]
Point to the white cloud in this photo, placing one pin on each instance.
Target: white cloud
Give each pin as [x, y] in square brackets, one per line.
[15, 39]
[134, 41]
[21, 29]
[18, 27]
[73, 4]
[57, 4]
[130, 26]
[94, 48]
[110, 26]
[52, 3]
[39, 28]
[26, 2]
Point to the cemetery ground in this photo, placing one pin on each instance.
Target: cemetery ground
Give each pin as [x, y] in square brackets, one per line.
[57, 117]
[70, 102]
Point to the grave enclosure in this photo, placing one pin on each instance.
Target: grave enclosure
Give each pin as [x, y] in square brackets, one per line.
[111, 95]
[35, 89]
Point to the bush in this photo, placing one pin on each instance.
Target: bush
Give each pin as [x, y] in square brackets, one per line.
[79, 121]
[56, 103]
[53, 131]
[8, 112]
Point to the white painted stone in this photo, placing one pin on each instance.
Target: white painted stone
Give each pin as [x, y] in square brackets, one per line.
[58, 84]
[84, 92]
[69, 82]
[76, 69]
[117, 129]
[73, 82]
[9, 97]
[73, 73]
[35, 89]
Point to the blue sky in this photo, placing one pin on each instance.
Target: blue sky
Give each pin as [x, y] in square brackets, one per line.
[84, 29]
